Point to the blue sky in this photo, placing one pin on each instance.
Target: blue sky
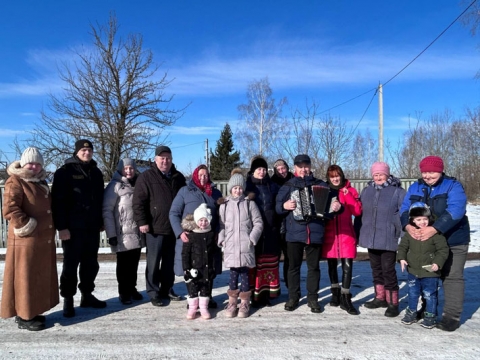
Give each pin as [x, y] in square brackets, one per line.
[327, 51]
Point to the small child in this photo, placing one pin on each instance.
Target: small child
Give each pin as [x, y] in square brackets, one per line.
[423, 260]
[197, 259]
[240, 228]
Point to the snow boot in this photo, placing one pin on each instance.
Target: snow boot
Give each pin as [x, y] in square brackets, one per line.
[392, 301]
[448, 323]
[192, 307]
[410, 317]
[203, 305]
[346, 304]
[335, 301]
[379, 300]
[231, 308]
[244, 309]
[68, 309]
[429, 321]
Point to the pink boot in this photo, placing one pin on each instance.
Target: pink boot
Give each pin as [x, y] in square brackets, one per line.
[192, 307]
[203, 304]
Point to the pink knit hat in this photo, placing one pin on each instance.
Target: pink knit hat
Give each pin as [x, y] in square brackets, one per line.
[431, 164]
[380, 167]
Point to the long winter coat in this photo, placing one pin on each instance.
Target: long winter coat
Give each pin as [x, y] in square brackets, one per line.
[265, 192]
[153, 197]
[240, 228]
[30, 282]
[77, 196]
[448, 203]
[340, 240]
[379, 225]
[419, 253]
[118, 215]
[187, 200]
[199, 252]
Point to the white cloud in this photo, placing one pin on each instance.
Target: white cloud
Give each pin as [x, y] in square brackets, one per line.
[11, 132]
[193, 130]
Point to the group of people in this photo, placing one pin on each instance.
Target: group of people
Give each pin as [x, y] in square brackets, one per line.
[191, 230]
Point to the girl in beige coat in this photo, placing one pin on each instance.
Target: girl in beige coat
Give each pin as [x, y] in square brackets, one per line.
[30, 282]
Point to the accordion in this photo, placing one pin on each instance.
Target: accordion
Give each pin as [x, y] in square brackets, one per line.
[311, 202]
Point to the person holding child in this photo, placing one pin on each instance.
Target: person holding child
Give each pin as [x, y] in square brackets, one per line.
[198, 260]
[240, 229]
[423, 261]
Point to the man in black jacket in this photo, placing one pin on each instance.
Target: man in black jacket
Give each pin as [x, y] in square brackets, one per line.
[77, 196]
[152, 198]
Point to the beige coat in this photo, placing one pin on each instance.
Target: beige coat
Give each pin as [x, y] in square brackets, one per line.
[30, 282]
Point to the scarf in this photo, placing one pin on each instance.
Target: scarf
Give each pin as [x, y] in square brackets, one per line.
[207, 188]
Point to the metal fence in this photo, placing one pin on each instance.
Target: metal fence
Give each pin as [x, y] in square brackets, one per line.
[221, 185]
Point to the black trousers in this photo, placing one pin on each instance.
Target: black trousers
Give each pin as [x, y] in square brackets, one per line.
[159, 272]
[80, 253]
[347, 265]
[383, 263]
[127, 267]
[283, 249]
[295, 256]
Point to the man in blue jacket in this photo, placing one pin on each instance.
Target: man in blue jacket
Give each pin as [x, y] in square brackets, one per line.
[302, 235]
[447, 201]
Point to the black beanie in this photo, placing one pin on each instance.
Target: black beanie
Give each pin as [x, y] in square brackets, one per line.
[258, 162]
[82, 143]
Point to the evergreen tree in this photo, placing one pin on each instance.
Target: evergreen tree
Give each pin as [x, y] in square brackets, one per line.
[223, 161]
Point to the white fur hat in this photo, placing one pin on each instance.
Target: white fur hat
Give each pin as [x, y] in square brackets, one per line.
[31, 155]
[202, 212]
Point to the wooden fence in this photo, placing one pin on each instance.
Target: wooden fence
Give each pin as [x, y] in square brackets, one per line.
[221, 185]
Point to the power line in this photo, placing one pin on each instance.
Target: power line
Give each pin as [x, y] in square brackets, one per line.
[178, 147]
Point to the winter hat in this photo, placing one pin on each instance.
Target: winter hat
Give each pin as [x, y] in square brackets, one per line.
[258, 162]
[202, 212]
[162, 148]
[302, 158]
[380, 167]
[280, 162]
[419, 209]
[82, 143]
[126, 162]
[236, 179]
[31, 155]
[431, 164]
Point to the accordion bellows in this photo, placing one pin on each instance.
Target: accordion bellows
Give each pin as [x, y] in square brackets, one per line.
[311, 202]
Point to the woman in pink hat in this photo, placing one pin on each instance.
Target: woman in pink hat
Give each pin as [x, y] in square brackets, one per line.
[379, 230]
[447, 201]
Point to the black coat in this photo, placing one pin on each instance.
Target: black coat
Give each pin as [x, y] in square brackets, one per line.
[153, 197]
[266, 191]
[77, 196]
[198, 253]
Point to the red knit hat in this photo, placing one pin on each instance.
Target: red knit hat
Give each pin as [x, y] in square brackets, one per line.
[431, 164]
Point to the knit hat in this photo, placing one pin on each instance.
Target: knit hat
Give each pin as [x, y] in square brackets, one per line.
[431, 164]
[126, 162]
[419, 209]
[302, 158]
[236, 179]
[31, 155]
[82, 143]
[258, 162]
[162, 148]
[280, 162]
[202, 212]
[380, 167]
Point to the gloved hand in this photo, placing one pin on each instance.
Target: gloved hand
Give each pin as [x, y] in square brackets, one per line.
[113, 241]
[189, 275]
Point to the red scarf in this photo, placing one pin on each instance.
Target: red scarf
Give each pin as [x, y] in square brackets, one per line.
[207, 188]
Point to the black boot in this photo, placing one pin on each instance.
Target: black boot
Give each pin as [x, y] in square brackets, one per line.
[346, 304]
[392, 301]
[88, 300]
[68, 309]
[335, 296]
[448, 323]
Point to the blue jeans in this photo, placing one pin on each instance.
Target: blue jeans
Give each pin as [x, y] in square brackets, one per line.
[428, 288]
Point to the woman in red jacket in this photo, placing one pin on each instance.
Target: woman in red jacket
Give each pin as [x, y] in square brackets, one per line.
[340, 241]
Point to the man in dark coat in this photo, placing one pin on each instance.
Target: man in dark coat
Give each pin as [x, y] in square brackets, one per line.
[77, 196]
[153, 196]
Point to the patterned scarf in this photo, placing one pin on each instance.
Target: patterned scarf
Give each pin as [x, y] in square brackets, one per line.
[207, 188]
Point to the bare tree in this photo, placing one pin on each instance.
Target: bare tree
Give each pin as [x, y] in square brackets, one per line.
[257, 131]
[112, 96]
[364, 154]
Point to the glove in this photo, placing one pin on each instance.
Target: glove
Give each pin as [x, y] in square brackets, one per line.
[113, 241]
[189, 275]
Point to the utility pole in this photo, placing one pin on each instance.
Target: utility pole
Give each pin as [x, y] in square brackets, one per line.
[380, 122]
[207, 159]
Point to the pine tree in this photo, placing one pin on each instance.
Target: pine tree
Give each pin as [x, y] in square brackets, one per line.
[223, 161]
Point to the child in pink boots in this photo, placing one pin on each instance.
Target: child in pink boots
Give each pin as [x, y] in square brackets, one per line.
[197, 259]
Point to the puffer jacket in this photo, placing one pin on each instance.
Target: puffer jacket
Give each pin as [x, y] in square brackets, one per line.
[379, 225]
[309, 232]
[448, 204]
[419, 253]
[199, 252]
[340, 240]
[240, 228]
[265, 192]
[118, 215]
